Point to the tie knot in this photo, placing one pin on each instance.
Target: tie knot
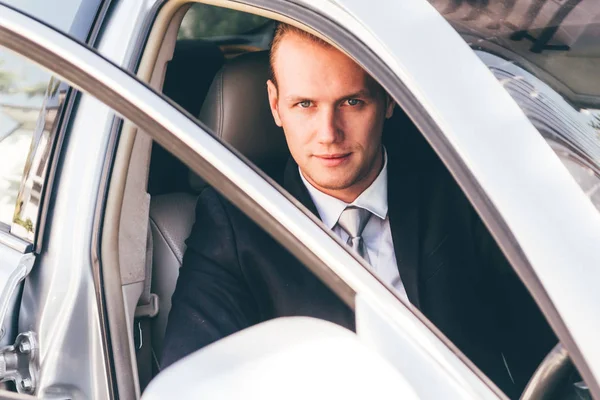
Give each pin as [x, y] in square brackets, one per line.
[353, 220]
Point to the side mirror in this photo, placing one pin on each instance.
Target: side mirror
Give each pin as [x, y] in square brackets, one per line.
[294, 357]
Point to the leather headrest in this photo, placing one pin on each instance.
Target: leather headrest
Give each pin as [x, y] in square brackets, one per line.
[189, 74]
[237, 111]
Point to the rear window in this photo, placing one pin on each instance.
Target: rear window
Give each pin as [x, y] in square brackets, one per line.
[202, 21]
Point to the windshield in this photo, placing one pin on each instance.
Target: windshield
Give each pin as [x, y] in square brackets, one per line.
[546, 54]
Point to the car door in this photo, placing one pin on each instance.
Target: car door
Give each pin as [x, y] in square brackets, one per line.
[32, 103]
[245, 187]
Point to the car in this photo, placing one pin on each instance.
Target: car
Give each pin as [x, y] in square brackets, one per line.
[106, 136]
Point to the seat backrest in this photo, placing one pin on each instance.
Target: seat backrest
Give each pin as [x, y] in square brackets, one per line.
[187, 80]
[236, 110]
[171, 220]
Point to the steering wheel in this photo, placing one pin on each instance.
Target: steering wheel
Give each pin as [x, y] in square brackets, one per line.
[554, 371]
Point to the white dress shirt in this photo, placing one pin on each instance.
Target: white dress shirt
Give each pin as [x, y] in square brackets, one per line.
[377, 234]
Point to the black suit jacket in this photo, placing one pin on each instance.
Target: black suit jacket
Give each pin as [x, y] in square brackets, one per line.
[235, 275]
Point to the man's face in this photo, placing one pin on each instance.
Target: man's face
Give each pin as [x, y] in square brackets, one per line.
[332, 113]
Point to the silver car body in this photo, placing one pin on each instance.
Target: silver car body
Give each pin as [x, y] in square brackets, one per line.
[494, 152]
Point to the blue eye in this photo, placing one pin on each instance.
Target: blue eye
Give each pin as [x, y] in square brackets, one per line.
[304, 104]
[353, 102]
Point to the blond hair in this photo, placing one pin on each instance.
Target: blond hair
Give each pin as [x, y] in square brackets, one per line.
[281, 31]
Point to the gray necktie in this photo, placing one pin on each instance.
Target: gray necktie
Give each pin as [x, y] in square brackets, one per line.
[353, 221]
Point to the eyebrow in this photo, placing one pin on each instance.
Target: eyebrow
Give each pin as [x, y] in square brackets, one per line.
[361, 93]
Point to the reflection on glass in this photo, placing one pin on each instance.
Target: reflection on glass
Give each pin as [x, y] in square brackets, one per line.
[28, 199]
[546, 54]
[21, 99]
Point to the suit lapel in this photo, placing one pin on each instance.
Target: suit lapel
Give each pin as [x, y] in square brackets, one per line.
[403, 206]
[294, 185]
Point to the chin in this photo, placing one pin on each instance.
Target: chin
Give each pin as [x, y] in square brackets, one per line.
[335, 184]
[335, 178]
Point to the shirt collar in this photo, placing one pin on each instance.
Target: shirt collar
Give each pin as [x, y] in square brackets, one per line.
[373, 198]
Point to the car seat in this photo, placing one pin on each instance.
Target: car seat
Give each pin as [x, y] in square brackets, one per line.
[236, 110]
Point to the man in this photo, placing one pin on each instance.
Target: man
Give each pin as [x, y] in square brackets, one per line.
[394, 204]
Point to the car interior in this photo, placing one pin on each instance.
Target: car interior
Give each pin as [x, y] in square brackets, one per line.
[172, 213]
[217, 74]
[218, 78]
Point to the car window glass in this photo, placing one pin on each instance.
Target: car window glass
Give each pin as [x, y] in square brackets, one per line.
[203, 21]
[545, 54]
[30, 100]
[22, 90]
[60, 16]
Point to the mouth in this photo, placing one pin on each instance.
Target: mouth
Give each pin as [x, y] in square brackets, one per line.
[332, 160]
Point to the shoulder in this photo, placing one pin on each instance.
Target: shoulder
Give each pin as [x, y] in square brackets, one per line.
[217, 219]
[211, 204]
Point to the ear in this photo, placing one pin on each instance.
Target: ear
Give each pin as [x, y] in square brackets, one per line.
[273, 98]
[389, 106]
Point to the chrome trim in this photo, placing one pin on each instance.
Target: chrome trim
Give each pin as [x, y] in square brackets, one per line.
[555, 366]
[48, 161]
[14, 242]
[242, 185]
[97, 271]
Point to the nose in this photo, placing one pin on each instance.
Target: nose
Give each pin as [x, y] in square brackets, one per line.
[328, 129]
